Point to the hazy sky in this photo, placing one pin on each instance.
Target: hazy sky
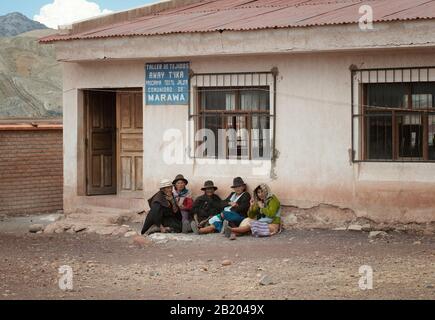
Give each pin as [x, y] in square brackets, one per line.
[58, 12]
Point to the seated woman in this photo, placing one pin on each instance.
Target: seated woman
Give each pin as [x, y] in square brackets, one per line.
[205, 206]
[235, 208]
[164, 216]
[264, 215]
[184, 200]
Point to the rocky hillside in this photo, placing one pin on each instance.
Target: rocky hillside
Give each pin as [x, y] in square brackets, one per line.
[30, 77]
[16, 23]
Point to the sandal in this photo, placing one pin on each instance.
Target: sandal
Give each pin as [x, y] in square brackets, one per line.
[194, 227]
[225, 225]
[151, 230]
[227, 231]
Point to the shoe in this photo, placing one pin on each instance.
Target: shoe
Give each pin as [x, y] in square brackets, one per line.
[227, 231]
[186, 228]
[194, 227]
[151, 230]
[224, 225]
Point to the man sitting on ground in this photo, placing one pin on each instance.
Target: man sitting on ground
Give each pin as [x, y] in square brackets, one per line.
[205, 206]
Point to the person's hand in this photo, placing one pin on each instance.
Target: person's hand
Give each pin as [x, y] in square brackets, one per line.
[252, 202]
[260, 204]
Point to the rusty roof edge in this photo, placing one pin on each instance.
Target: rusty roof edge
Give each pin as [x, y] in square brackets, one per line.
[121, 16]
[56, 38]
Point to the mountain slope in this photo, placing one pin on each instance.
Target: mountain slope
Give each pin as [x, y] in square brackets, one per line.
[30, 77]
[15, 23]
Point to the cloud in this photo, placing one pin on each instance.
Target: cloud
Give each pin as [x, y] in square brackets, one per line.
[63, 12]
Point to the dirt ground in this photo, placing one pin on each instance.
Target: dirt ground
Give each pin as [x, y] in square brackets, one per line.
[299, 264]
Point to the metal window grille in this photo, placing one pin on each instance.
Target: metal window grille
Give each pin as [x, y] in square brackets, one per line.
[239, 105]
[393, 114]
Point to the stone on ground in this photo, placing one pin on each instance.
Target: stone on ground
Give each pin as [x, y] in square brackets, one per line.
[79, 228]
[121, 231]
[165, 237]
[366, 227]
[355, 227]
[226, 263]
[130, 234]
[265, 280]
[140, 241]
[378, 234]
[290, 220]
[92, 219]
[34, 228]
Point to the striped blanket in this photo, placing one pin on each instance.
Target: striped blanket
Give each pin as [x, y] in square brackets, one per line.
[260, 229]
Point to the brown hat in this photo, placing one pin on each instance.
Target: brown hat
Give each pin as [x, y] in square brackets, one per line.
[209, 185]
[237, 182]
[178, 178]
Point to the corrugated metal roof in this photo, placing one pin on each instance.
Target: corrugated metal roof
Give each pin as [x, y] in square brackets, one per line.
[240, 15]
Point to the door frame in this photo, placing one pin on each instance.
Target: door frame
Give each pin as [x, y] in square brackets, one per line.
[88, 174]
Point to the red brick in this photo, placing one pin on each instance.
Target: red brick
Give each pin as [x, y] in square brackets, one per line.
[31, 171]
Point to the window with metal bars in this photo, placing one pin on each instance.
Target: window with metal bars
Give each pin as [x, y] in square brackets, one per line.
[239, 119]
[233, 115]
[394, 119]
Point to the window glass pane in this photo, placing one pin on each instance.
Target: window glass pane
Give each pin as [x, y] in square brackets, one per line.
[210, 136]
[379, 136]
[410, 136]
[257, 99]
[261, 134]
[431, 140]
[387, 95]
[423, 95]
[217, 99]
[229, 130]
[237, 137]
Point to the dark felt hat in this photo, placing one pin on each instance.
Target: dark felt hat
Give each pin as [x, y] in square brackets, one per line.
[237, 182]
[208, 184]
[178, 178]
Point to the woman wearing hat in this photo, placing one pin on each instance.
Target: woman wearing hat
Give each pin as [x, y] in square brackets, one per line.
[264, 215]
[164, 216]
[205, 206]
[235, 210]
[184, 200]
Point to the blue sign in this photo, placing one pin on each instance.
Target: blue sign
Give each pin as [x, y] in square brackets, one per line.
[167, 83]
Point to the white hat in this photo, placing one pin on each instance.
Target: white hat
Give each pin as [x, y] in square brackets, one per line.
[165, 183]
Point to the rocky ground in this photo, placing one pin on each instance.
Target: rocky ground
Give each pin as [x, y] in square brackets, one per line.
[297, 264]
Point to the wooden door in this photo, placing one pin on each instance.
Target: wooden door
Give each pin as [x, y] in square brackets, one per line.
[101, 143]
[130, 146]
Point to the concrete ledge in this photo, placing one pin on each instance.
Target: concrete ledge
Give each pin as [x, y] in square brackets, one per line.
[393, 35]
